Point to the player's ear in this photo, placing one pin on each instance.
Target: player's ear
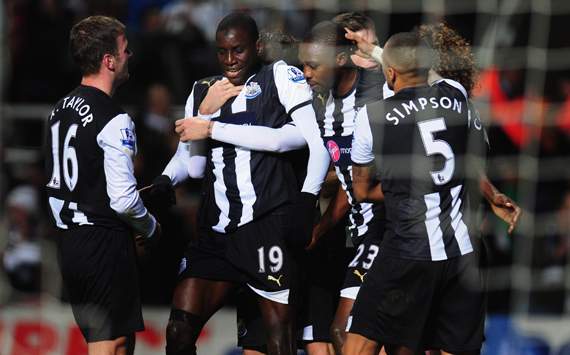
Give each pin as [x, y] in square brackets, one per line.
[259, 47]
[109, 62]
[341, 59]
[391, 74]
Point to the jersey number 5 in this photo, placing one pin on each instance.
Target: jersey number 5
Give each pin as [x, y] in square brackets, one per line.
[437, 146]
[70, 167]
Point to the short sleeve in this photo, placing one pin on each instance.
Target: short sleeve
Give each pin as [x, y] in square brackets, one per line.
[362, 142]
[292, 88]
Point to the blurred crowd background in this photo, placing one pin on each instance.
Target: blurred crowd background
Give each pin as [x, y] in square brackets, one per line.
[522, 48]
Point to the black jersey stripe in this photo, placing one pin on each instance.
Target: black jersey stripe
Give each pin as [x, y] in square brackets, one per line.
[451, 245]
[338, 116]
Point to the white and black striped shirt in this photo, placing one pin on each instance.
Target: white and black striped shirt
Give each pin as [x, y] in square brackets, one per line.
[242, 184]
[335, 116]
[421, 139]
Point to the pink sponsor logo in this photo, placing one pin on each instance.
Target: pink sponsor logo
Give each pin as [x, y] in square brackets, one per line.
[334, 150]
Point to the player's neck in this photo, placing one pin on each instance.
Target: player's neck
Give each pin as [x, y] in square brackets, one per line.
[345, 80]
[409, 83]
[100, 82]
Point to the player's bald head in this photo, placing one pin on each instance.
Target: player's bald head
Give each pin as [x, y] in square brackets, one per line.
[408, 54]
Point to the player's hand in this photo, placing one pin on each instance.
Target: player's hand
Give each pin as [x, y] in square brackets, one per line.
[160, 193]
[365, 48]
[220, 92]
[506, 209]
[192, 129]
[145, 245]
[315, 238]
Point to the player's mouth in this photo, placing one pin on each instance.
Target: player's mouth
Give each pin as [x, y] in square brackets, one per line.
[233, 73]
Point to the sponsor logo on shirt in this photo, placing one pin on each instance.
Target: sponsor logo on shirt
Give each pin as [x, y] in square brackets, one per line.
[334, 150]
[295, 75]
[252, 90]
[128, 138]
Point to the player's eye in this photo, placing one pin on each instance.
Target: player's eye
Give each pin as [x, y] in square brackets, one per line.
[239, 50]
[128, 52]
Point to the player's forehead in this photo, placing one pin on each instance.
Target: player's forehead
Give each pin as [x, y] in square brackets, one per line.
[234, 37]
[316, 52]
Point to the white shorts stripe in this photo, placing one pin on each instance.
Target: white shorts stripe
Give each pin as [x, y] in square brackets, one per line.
[275, 296]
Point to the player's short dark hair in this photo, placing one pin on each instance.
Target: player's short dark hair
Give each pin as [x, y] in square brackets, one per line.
[277, 45]
[93, 37]
[331, 34]
[239, 20]
[409, 53]
[354, 21]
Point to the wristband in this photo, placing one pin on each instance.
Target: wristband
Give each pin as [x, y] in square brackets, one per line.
[376, 54]
[210, 128]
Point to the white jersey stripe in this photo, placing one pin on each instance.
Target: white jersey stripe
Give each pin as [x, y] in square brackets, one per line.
[78, 216]
[461, 232]
[329, 119]
[243, 168]
[433, 228]
[220, 190]
[348, 109]
[245, 186]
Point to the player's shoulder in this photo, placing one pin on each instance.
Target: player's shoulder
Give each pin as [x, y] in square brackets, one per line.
[283, 71]
[90, 104]
[451, 87]
[369, 86]
[206, 82]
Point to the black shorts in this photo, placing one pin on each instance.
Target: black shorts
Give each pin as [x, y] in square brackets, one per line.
[423, 304]
[256, 254]
[362, 258]
[100, 276]
[322, 274]
[323, 271]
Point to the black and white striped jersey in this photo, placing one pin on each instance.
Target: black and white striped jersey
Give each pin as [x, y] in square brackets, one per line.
[421, 139]
[335, 116]
[89, 152]
[240, 184]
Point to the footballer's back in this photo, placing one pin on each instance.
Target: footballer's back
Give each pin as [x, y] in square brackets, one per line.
[421, 138]
[77, 128]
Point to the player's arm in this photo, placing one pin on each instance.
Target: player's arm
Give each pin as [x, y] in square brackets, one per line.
[503, 206]
[296, 97]
[220, 92]
[364, 183]
[189, 161]
[260, 138]
[336, 210]
[118, 142]
[366, 49]
[190, 157]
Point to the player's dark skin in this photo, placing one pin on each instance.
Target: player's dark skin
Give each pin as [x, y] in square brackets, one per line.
[324, 70]
[237, 54]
